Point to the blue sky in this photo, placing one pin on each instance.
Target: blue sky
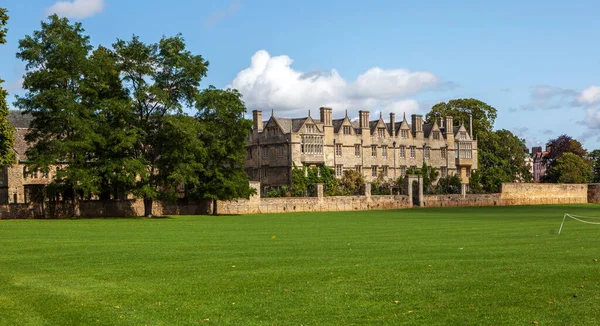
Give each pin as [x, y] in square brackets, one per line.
[537, 62]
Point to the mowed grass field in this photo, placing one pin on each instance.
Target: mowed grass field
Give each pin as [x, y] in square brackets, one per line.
[473, 266]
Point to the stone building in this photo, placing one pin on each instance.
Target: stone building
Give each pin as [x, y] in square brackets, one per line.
[17, 183]
[373, 147]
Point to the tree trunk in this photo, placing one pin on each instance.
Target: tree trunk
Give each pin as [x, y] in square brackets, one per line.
[75, 204]
[215, 212]
[148, 207]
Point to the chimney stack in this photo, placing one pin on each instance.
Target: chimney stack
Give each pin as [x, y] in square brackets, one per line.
[257, 123]
[417, 124]
[326, 117]
[392, 124]
[471, 125]
[364, 119]
[449, 125]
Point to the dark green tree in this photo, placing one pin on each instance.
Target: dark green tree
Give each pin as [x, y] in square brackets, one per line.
[115, 162]
[595, 158]
[449, 184]
[570, 168]
[430, 175]
[63, 130]
[7, 155]
[183, 155]
[224, 133]
[162, 79]
[483, 114]
[501, 159]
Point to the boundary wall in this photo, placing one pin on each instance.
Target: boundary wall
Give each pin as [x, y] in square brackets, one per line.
[511, 194]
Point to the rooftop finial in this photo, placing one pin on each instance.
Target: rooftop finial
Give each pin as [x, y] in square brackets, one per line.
[404, 115]
[272, 112]
[309, 113]
[380, 115]
[346, 113]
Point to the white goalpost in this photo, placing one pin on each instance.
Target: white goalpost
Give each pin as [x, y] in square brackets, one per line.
[582, 219]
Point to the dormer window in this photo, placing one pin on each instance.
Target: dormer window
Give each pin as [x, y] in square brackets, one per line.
[347, 130]
[381, 132]
[310, 129]
[463, 135]
[404, 133]
[436, 135]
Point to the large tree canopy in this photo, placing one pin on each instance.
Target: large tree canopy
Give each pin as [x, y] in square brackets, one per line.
[570, 168]
[7, 155]
[63, 130]
[483, 114]
[501, 159]
[221, 114]
[162, 79]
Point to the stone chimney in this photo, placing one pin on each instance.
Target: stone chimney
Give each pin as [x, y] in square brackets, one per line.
[257, 123]
[364, 119]
[326, 116]
[392, 124]
[449, 125]
[417, 124]
[471, 125]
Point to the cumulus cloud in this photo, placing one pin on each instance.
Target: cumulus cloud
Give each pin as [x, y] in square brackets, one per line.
[589, 96]
[271, 83]
[76, 9]
[549, 98]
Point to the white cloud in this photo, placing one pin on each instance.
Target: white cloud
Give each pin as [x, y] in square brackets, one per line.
[549, 98]
[589, 96]
[271, 83]
[76, 9]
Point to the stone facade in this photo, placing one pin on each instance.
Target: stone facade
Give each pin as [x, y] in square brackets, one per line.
[17, 184]
[373, 147]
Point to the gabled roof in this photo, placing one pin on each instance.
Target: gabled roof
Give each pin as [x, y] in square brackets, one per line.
[337, 124]
[375, 124]
[19, 120]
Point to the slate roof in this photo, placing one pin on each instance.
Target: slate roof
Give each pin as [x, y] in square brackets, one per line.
[19, 120]
[337, 124]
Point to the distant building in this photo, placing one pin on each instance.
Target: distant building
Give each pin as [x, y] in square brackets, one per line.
[540, 162]
[372, 148]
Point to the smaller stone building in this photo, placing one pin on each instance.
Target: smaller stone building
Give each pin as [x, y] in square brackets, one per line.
[17, 183]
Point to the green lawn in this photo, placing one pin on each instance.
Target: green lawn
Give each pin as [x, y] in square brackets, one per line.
[474, 266]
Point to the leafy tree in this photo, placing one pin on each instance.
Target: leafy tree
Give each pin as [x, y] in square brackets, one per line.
[501, 159]
[224, 132]
[299, 181]
[352, 183]
[430, 175]
[183, 155]
[565, 144]
[7, 155]
[161, 79]
[449, 184]
[570, 168]
[115, 162]
[482, 113]
[595, 158]
[63, 129]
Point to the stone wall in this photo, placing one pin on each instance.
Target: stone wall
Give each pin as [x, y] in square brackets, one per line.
[460, 201]
[512, 194]
[313, 204]
[543, 193]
